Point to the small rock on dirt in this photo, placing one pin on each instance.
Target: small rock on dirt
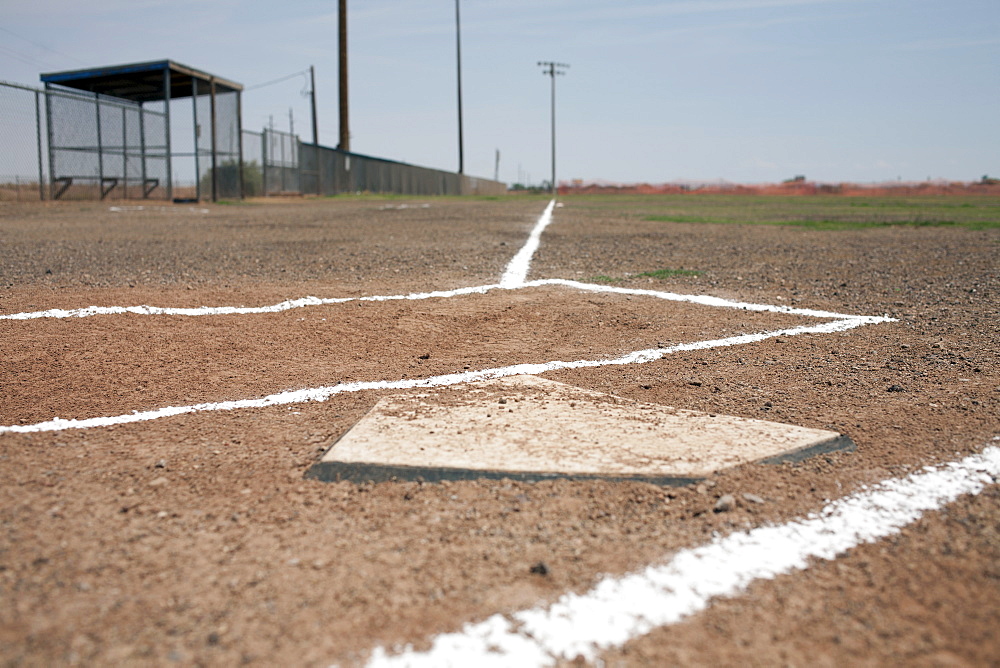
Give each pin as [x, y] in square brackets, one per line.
[725, 503]
[540, 569]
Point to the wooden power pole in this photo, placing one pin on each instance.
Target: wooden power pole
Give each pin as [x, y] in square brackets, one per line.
[345, 133]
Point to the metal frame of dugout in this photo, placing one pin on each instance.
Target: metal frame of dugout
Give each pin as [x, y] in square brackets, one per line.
[121, 141]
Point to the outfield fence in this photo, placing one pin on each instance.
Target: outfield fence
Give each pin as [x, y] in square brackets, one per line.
[64, 144]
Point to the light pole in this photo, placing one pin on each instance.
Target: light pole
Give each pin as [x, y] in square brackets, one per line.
[551, 70]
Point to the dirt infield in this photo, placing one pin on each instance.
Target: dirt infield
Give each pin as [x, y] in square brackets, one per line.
[195, 539]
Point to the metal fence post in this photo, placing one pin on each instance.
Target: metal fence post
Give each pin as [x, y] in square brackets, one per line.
[239, 148]
[263, 160]
[38, 133]
[215, 166]
[166, 109]
[100, 148]
[48, 130]
[142, 149]
[197, 133]
[124, 153]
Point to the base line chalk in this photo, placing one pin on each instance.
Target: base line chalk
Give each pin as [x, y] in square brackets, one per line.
[320, 394]
[517, 268]
[619, 609]
[514, 278]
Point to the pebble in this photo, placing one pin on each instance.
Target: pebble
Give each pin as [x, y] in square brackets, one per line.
[725, 503]
[752, 498]
[540, 568]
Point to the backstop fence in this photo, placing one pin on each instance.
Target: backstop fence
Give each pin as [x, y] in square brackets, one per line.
[61, 144]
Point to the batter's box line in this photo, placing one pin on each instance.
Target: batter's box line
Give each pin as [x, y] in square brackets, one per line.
[303, 302]
[513, 279]
[321, 394]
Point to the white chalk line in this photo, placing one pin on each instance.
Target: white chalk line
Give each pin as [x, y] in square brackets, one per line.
[321, 394]
[513, 279]
[303, 302]
[619, 609]
[171, 209]
[517, 269]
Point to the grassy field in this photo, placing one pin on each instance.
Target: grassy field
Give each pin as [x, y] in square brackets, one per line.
[827, 212]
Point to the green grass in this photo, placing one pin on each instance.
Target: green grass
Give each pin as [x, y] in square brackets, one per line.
[816, 212]
[839, 224]
[666, 273]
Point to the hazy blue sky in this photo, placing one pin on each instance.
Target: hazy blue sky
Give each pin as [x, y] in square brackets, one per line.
[742, 90]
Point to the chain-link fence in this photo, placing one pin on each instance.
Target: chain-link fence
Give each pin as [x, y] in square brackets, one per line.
[328, 171]
[59, 144]
[220, 153]
[105, 147]
[23, 166]
[281, 163]
[253, 161]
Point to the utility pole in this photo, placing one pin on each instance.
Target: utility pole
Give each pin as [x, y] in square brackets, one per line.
[345, 133]
[458, 47]
[319, 160]
[312, 99]
[551, 70]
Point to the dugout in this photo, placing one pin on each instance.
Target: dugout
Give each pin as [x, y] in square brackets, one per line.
[127, 128]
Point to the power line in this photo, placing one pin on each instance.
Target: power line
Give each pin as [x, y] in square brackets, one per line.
[271, 83]
[42, 46]
[23, 57]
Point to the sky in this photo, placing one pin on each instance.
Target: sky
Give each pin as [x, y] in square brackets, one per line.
[747, 91]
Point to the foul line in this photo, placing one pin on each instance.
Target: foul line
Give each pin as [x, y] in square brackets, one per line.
[320, 394]
[619, 609]
[513, 279]
[704, 300]
[517, 269]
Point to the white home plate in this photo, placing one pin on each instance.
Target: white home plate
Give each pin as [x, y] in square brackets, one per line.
[529, 428]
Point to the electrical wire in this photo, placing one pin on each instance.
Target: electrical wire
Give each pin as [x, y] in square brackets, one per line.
[275, 81]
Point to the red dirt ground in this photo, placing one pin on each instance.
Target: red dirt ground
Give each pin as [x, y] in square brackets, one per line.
[196, 540]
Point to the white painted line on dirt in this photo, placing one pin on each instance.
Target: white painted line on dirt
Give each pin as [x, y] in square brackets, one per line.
[704, 300]
[238, 310]
[619, 609]
[517, 269]
[319, 394]
[513, 279]
[121, 209]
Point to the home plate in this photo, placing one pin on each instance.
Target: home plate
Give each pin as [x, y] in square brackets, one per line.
[529, 428]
